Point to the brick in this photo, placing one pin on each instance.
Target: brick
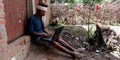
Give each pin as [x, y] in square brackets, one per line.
[3, 32]
[0, 51]
[1, 6]
[3, 43]
[2, 22]
[2, 19]
[0, 35]
[5, 49]
[2, 14]
[1, 0]
[4, 53]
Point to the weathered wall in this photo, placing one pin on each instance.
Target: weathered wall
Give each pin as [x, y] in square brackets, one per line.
[48, 13]
[3, 36]
[15, 49]
[2, 21]
[19, 47]
[29, 8]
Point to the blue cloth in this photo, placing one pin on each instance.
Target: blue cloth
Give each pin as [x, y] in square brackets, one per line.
[35, 25]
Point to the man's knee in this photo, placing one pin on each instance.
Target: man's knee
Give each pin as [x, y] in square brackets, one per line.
[60, 40]
[54, 42]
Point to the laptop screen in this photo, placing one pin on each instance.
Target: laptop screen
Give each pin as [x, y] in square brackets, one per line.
[57, 32]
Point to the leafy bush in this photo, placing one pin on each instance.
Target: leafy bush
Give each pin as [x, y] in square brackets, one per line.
[90, 33]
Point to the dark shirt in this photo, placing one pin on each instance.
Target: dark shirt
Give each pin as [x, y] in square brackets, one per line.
[35, 25]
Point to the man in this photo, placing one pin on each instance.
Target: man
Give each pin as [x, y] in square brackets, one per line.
[37, 31]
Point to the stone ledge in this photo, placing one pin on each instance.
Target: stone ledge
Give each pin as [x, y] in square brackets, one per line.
[19, 46]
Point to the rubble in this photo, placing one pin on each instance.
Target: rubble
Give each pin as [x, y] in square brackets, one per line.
[74, 35]
[110, 50]
[110, 37]
[109, 12]
[68, 15]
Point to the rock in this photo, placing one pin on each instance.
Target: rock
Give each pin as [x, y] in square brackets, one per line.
[116, 54]
[74, 35]
[81, 50]
[88, 58]
[97, 51]
[104, 34]
[79, 55]
[107, 56]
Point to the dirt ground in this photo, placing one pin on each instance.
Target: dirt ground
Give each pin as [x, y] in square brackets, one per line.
[42, 53]
[38, 52]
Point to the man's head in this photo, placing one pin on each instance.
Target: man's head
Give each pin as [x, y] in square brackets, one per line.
[41, 9]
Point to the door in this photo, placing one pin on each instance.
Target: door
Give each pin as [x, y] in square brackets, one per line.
[16, 17]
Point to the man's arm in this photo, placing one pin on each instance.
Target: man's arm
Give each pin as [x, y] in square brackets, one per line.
[45, 31]
[42, 35]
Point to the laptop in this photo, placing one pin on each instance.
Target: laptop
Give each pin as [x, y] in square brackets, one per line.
[55, 35]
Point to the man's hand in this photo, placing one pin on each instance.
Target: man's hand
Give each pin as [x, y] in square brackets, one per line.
[42, 35]
[46, 35]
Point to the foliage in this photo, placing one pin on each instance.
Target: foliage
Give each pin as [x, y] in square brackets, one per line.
[52, 1]
[65, 1]
[59, 24]
[115, 24]
[65, 13]
[91, 1]
[113, 1]
[90, 34]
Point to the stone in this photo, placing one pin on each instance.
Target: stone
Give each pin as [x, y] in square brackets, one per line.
[81, 50]
[74, 35]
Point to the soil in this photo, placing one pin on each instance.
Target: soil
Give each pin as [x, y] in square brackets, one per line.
[37, 52]
[41, 53]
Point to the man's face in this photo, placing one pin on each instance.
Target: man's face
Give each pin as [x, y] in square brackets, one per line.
[41, 13]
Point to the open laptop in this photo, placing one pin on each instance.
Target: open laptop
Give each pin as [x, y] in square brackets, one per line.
[56, 34]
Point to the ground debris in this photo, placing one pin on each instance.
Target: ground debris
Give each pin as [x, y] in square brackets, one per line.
[100, 52]
[75, 36]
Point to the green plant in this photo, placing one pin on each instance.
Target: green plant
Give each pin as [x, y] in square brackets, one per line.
[66, 1]
[59, 24]
[90, 33]
[116, 24]
[91, 1]
[113, 1]
[76, 33]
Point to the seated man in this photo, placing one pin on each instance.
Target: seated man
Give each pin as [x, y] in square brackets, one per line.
[37, 31]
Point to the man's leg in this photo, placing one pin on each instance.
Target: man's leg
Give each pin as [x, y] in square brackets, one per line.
[65, 44]
[61, 48]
